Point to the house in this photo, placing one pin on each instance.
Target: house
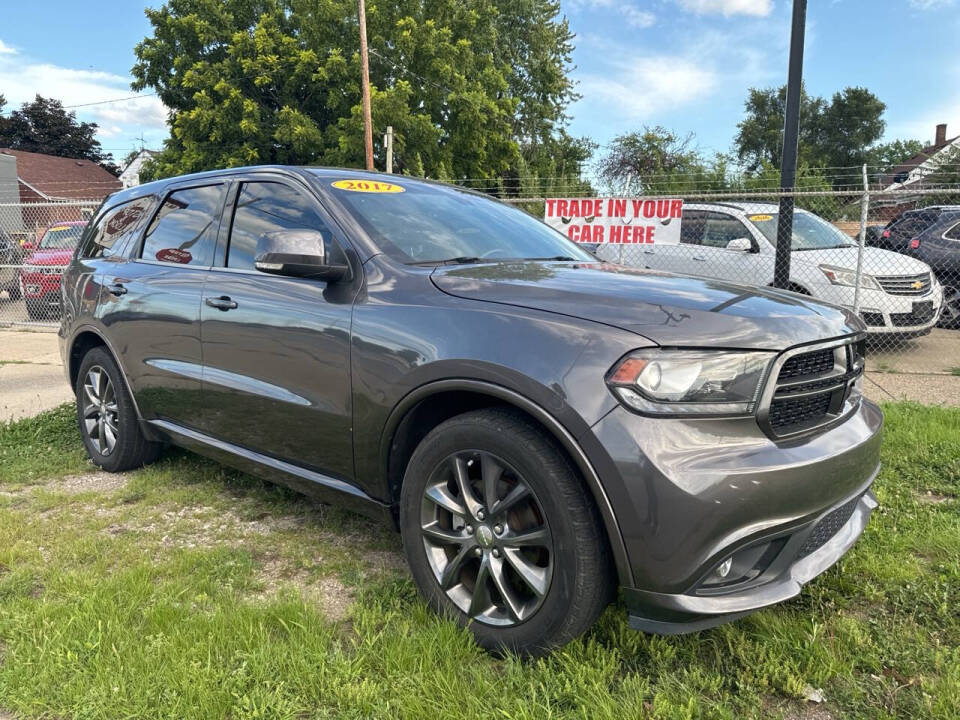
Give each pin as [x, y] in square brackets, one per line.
[51, 189]
[130, 175]
[914, 174]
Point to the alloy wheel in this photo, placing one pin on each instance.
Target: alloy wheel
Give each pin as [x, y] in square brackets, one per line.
[100, 411]
[950, 316]
[486, 538]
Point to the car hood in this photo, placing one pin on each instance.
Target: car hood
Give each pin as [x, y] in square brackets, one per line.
[49, 257]
[875, 260]
[668, 309]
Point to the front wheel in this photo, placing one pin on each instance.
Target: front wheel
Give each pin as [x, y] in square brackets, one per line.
[501, 534]
[950, 316]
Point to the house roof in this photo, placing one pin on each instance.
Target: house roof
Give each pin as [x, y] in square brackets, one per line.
[904, 170]
[59, 177]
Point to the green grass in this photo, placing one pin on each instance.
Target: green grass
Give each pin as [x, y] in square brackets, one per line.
[189, 591]
[955, 371]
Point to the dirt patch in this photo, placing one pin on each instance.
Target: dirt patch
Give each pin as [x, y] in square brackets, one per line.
[101, 482]
[932, 498]
[4, 715]
[335, 598]
[792, 710]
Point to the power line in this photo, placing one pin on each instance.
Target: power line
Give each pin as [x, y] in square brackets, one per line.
[107, 102]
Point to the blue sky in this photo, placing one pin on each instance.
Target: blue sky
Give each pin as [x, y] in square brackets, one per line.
[684, 64]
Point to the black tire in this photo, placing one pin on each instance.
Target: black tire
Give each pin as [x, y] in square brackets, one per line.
[578, 560]
[130, 449]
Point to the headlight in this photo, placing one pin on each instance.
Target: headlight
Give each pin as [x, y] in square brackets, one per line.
[840, 276]
[690, 382]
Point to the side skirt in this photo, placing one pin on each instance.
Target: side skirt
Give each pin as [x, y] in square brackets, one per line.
[316, 485]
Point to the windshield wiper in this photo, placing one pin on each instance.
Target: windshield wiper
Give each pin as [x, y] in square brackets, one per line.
[556, 258]
[462, 260]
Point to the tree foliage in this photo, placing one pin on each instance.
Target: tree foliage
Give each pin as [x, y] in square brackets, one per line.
[886, 156]
[44, 126]
[470, 87]
[833, 134]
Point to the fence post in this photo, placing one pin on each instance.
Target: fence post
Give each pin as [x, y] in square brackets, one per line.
[864, 209]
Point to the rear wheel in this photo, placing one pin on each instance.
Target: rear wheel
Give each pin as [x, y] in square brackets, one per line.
[502, 535]
[950, 317]
[107, 418]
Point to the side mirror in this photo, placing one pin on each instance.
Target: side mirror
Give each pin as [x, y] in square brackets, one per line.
[297, 253]
[741, 244]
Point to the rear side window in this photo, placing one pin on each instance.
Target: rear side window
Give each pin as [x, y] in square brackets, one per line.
[114, 227]
[953, 233]
[264, 207]
[911, 225]
[184, 230]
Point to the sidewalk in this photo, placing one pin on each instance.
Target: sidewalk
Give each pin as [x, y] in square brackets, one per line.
[31, 375]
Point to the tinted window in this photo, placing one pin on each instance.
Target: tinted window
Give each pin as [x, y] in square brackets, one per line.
[953, 233]
[114, 227]
[910, 224]
[264, 207]
[719, 229]
[184, 230]
[428, 223]
[691, 227]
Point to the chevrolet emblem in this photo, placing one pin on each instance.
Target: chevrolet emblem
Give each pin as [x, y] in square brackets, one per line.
[917, 285]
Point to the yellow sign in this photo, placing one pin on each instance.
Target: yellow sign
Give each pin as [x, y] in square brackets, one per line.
[55, 228]
[369, 186]
[761, 218]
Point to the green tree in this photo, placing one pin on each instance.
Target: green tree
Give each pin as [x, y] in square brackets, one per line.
[833, 134]
[465, 83]
[647, 158]
[44, 126]
[888, 155]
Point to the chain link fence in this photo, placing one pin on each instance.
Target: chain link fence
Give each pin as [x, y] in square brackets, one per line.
[37, 241]
[890, 255]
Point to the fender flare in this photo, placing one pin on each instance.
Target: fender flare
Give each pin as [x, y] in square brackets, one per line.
[113, 353]
[554, 426]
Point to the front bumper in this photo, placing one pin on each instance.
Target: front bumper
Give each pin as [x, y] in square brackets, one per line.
[691, 494]
[886, 314]
[665, 614]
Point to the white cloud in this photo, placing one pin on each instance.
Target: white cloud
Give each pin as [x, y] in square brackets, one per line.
[760, 8]
[6, 49]
[645, 86]
[931, 4]
[633, 15]
[21, 79]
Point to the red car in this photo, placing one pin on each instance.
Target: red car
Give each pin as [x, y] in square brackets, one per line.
[42, 269]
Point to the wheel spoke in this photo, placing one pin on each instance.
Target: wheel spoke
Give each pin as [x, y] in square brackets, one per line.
[538, 537]
[440, 496]
[490, 472]
[518, 493]
[90, 410]
[444, 536]
[513, 603]
[100, 434]
[480, 601]
[91, 392]
[533, 575]
[451, 573]
[463, 484]
[110, 436]
[101, 383]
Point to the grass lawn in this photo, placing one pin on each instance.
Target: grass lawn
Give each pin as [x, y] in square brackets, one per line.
[185, 590]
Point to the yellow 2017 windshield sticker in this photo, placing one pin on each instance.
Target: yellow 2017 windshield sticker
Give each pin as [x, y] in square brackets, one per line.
[761, 218]
[369, 186]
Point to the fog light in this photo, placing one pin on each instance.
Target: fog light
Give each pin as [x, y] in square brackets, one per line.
[724, 569]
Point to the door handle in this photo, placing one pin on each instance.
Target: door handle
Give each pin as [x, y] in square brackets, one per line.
[221, 303]
[699, 258]
[117, 289]
[649, 252]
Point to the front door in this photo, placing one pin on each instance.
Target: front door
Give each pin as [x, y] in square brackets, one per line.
[150, 303]
[276, 350]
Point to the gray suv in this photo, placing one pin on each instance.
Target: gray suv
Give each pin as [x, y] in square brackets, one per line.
[541, 426]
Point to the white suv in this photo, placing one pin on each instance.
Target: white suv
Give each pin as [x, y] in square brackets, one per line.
[737, 242]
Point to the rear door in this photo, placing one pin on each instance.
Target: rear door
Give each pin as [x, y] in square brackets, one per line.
[150, 303]
[276, 349]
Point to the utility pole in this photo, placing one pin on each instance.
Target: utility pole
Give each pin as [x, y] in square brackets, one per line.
[791, 133]
[365, 83]
[388, 144]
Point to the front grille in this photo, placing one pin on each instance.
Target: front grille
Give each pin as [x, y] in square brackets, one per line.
[811, 363]
[812, 389]
[872, 319]
[828, 527]
[905, 284]
[922, 313]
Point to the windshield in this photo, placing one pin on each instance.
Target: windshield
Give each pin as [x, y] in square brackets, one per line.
[809, 231]
[433, 223]
[61, 237]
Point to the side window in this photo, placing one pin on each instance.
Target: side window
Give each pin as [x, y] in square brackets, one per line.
[264, 207]
[719, 229]
[953, 233]
[692, 226]
[114, 227]
[184, 230]
[909, 225]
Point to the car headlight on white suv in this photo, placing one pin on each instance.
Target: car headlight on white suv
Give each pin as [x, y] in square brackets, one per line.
[842, 276]
[690, 382]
